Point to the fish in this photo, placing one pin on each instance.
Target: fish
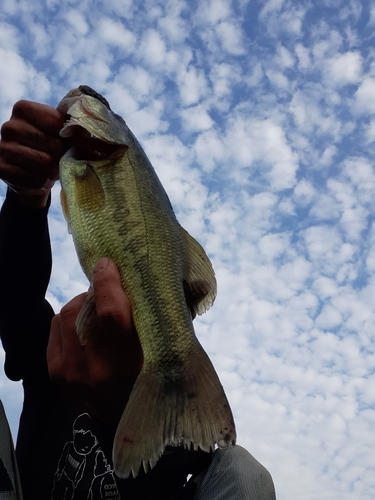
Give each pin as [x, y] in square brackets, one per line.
[116, 207]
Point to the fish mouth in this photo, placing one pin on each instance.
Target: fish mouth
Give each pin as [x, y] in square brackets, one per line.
[94, 130]
[86, 146]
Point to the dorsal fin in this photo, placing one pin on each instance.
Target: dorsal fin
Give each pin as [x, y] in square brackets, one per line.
[200, 284]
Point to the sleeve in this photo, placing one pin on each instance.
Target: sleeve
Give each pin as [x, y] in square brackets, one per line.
[25, 268]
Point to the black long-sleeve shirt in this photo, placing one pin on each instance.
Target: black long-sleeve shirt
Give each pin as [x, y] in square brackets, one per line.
[62, 451]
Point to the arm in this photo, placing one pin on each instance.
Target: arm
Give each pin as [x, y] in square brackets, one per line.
[25, 265]
[29, 152]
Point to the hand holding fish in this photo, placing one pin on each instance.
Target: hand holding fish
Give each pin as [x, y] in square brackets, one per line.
[104, 370]
[30, 149]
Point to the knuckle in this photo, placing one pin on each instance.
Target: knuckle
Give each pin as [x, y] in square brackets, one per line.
[20, 107]
[66, 310]
[7, 130]
[54, 368]
[63, 372]
[112, 315]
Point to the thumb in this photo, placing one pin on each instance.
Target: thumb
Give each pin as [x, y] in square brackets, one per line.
[112, 303]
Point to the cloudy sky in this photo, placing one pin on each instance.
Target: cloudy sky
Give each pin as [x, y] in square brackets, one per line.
[259, 117]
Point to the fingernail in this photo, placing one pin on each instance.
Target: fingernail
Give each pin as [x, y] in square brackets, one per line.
[101, 264]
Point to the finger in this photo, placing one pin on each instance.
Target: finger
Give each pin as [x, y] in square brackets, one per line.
[65, 355]
[20, 179]
[119, 343]
[19, 131]
[29, 160]
[30, 147]
[43, 117]
[112, 304]
[68, 315]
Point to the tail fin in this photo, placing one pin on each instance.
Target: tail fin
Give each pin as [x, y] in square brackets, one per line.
[189, 410]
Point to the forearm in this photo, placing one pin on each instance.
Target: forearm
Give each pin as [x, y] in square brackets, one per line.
[25, 267]
[25, 251]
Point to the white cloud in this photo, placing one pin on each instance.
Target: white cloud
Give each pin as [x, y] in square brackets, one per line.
[140, 82]
[278, 79]
[329, 318]
[284, 57]
[222, 78]
[147, 120]
[364, 100]
[77, 21]
[372, 15]
[193, 85]
[328, 42]
[231, 38]
[196, 118]
[325, 287]
[303, 54]
[124, 8]
[173, 23]
[210, 150]
[123, 102]
[328, 154]
[252, 141]
[99, 68]
[312, 119]
[20, 80]
[283, 16]
[153, 48]
[351, 9]
[10, 6]
[213, 11]
[323, 243]
[272, 246]
[345, 68]
[255, 75]
[114, 33]
[271, 6]
[41, 39]
[353, 215]
[304, 193]
[9, 37]
[370, 131]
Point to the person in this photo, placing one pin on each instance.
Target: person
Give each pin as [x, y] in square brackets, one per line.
[74, 395]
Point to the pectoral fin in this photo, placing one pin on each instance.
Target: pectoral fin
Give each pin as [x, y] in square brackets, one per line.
[87, 323]
[200, 284]
[89, 190]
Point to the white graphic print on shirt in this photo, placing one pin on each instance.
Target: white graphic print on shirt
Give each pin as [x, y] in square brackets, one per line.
[83, 470]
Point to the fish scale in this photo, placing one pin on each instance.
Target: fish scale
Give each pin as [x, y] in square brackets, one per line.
[116, 207]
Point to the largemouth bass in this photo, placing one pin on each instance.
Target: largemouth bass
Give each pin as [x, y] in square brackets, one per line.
[116, 207]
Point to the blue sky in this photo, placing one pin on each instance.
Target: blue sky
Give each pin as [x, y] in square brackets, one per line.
[259, 118]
